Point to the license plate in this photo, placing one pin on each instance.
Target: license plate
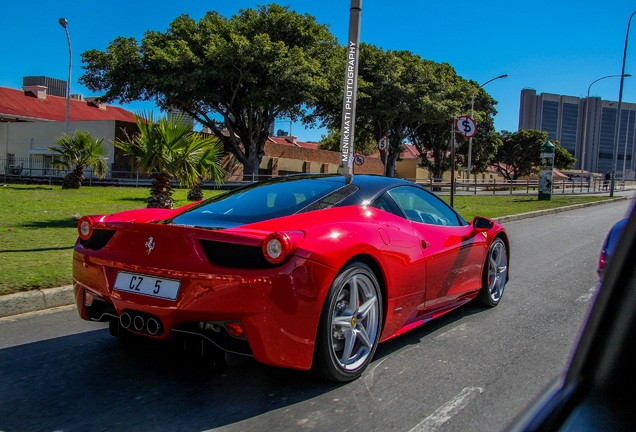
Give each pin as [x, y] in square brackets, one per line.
[147, 285]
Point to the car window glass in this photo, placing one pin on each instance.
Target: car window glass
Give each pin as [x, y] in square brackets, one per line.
[260, 202]
[421, 206]
[385, 203]
[332, 199]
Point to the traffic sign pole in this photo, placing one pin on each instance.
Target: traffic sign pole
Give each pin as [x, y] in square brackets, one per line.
[383, 146]
[452, 161]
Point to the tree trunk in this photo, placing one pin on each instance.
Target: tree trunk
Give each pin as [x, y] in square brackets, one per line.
[196, 193]
[250, 169]
[73, 180]
[161, 192]
[390, 165]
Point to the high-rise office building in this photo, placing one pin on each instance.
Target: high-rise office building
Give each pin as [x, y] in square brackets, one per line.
[179, 116]
[585, 127]
[54, 86]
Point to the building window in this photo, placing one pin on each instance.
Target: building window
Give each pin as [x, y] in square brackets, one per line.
[550, 118]
[569, 128]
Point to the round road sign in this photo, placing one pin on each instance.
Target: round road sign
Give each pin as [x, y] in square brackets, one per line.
[466, 126]
[383, 143]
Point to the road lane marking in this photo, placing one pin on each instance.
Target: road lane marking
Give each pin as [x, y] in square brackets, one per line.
[459, 328]
[586, 297]
[448, 410]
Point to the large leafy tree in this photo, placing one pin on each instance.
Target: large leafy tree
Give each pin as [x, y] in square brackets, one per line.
[170, 149]
[433, 135]
[405, 97]
[486, 141]
[234, 75]
[519, 154]
[400, 91]
[394, 96]
[76, 152]
[432, 141]
[365, 143]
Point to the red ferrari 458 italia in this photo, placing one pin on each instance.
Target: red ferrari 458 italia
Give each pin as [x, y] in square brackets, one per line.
[303, 271]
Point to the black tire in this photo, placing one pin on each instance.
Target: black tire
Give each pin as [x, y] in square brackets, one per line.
[495, 274]
[348, 334]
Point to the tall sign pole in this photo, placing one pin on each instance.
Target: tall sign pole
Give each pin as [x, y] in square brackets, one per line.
[347, 127]
[452, 163]
[465, 126]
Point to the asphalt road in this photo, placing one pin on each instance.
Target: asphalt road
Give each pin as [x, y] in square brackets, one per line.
[470, 370]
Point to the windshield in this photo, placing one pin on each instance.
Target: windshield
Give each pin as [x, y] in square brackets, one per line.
[259, 202]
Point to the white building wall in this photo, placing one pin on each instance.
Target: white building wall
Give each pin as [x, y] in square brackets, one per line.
[31, 140]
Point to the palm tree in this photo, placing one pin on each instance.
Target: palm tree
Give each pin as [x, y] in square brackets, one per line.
[200, 162]
[170, 149]
[77, 152]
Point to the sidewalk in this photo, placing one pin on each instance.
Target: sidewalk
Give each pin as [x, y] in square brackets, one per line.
[31, 301]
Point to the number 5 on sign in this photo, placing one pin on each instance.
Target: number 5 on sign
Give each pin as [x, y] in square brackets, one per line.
[466, 126]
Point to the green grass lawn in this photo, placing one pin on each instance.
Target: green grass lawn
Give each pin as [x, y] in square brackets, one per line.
[38, 224]
[38, 228]
[494, 206]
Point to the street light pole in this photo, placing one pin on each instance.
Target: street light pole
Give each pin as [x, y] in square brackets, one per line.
[64, 23]
[618, 112]
[625, 150]
[472, 115]
[587, 103]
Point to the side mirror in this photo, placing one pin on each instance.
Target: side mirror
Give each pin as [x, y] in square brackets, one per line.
[482, 224]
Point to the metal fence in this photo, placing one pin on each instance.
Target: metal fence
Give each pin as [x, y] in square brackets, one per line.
[494, 186]
[41, 170]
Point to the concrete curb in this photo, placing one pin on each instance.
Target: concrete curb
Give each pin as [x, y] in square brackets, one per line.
[31, 301]
[537, 213]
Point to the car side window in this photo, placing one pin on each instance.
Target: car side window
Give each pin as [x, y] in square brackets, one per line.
[422, 206]
[386, 203]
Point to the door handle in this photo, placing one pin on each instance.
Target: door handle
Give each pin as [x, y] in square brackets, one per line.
[425, 244]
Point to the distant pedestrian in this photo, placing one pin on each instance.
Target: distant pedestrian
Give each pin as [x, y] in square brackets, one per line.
[606, 181]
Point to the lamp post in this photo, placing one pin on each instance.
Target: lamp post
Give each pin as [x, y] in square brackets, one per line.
[587, 103]
[64, 23]
[625, 149]
[618, 112]
[472, 115]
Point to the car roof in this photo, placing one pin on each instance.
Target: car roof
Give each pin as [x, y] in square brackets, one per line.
[368, 182]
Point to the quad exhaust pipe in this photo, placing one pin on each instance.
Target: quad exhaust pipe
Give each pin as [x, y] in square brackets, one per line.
[141, 323]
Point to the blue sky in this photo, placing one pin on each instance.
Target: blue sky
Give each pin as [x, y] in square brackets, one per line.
[552, 46]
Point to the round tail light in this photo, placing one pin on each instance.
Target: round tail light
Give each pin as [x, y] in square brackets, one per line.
[278, 246]
[85, 227]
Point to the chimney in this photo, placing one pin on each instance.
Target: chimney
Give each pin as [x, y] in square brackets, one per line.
[94, 102]
[292, 139]
[38, 91]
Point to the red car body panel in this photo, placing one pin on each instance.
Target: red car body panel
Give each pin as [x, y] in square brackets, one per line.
[423, 272]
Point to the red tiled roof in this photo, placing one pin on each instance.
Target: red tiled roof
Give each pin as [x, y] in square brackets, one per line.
[410, 152]
[294, 143]
[24, 105]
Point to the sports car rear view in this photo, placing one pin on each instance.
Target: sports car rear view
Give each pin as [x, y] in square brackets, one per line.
[303, 271]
